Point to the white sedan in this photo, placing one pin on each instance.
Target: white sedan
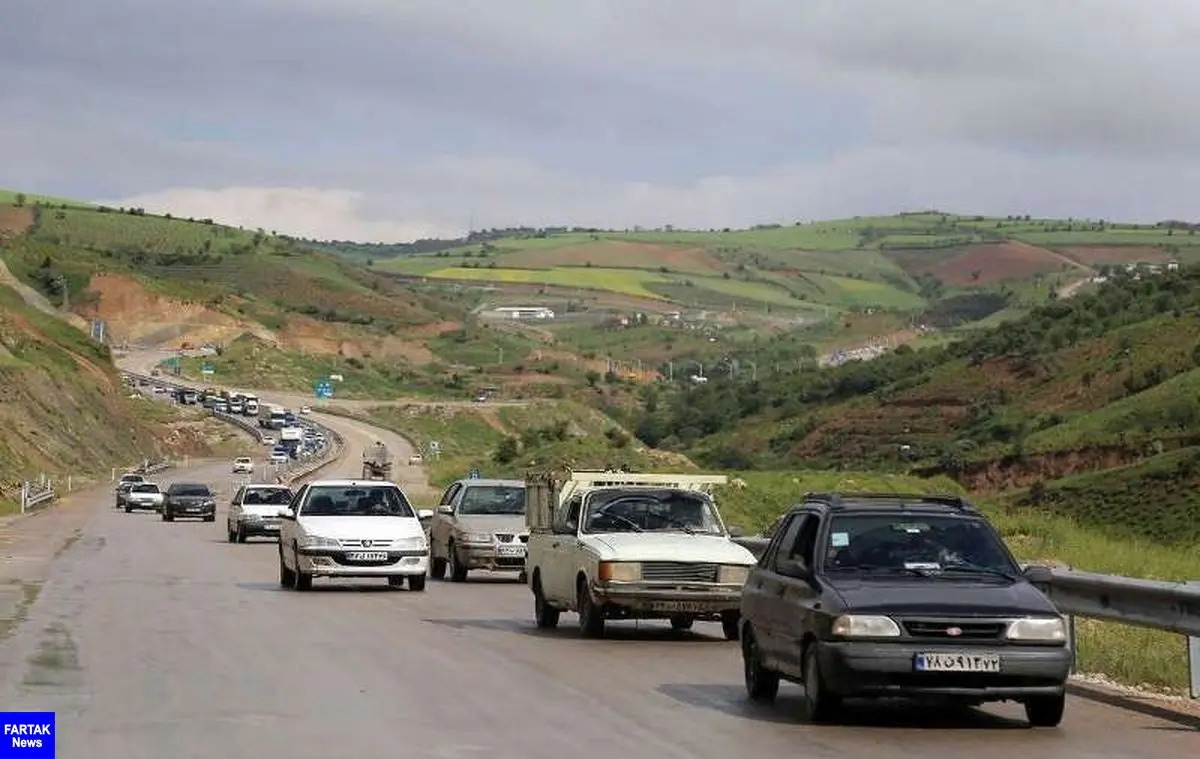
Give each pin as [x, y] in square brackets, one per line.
[352, 529]
[243, 465]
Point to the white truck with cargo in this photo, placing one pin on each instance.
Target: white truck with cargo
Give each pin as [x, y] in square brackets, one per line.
[616, 545]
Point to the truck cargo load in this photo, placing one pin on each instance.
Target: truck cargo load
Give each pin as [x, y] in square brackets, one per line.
[377, 462]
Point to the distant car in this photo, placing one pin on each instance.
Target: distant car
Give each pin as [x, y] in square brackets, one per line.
[143, 495]
[126, 482]
[280, 456]
[909, 596]
[415, 459]
[254, 511]
[189, 499]
[243, 465]
[305, 409]
[352, 529]
[268, 440]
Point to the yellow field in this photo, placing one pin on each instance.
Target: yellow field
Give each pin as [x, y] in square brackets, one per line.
[622, 281]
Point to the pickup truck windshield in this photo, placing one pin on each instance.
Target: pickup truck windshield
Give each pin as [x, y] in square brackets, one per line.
[924, 542]
[492, 499]
[649, 510]
[355, 501]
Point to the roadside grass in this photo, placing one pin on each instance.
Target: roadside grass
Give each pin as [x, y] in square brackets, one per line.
[10, 197]
[113, 230]
[631, 282]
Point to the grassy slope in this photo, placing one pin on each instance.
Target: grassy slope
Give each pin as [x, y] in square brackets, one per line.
[63, 409]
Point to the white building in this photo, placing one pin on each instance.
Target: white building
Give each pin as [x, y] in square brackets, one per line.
[525, 312]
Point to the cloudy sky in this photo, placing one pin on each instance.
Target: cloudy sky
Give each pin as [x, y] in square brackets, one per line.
[385, 120]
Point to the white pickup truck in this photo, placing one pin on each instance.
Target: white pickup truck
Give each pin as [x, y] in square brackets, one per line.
[614, 545]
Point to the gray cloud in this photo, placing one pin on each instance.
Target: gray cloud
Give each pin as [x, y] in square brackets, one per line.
[384, 119]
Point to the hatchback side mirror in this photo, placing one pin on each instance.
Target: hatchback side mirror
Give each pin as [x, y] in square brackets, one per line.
[424, 514]
[446, 509]
[736, 531]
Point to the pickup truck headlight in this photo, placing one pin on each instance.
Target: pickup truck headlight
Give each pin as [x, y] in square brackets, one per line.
[475, 537]
[620, 571]
[1041, 629]
[733, 574]
[865, 626]
[316, 541]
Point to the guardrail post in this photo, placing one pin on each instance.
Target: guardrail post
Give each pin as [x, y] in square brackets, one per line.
[1073, 642]
[24, 495]
[1194, 658]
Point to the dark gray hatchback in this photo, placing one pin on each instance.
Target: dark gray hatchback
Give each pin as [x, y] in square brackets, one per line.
[865, 595]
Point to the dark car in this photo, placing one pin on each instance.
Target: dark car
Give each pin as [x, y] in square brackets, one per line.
[889, 595]
[189, 499]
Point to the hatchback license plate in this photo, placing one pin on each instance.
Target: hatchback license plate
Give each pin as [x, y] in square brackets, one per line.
[510, 550]
[367, 556]
[957, 663]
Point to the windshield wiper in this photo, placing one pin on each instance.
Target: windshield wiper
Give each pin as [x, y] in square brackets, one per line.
[966, 566]
[881, 568]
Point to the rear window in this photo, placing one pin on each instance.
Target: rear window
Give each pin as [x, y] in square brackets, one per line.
[132, 478]
[145, 488]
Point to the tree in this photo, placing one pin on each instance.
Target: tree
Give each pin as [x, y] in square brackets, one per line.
[507, 451]
[19, 201]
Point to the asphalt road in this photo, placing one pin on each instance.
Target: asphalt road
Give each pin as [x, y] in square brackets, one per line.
[163, 641]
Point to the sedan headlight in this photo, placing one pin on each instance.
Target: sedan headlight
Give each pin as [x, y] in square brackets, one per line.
[211, 503]
[316, 541]
[620, 571]
[1042, 629]
[475, 537]
[733, 574]
[411, 544]
[865, 626]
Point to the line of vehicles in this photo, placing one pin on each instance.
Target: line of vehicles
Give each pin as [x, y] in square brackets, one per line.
[856, 595]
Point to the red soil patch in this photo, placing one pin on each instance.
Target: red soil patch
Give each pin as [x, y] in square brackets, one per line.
[996, 263]
[136, 314]
[14, 221]
[312, 336]
[1093, 255]
[619, 254]
[432, 330]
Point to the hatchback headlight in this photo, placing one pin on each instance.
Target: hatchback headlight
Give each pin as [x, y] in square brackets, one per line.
[733, 574]
[865, 626]
[1042, 629]
[316, 541]
[620, 571]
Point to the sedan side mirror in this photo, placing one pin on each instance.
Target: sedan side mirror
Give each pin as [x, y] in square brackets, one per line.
[286, 514]
[446, 509]
[424, 514]
[736, 531]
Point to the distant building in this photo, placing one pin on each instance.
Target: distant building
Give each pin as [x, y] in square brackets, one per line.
[525, 312]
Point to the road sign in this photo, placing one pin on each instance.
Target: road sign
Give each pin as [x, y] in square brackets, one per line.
[323, 390]
[435, 446]
[207, 370]
[474, 475]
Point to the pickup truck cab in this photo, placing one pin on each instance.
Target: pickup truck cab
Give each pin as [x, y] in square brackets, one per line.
[143, 495]
[479, 524]
[352, 529]
[613, 545]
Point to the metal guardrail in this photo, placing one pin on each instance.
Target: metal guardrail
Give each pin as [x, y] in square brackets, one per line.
[34, 494]
[1158, 605]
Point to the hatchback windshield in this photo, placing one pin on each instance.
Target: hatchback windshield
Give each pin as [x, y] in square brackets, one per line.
[356, 501]
[493, 499]
[145, 488]
[267, 496]
[647, 510]
[192, 490]
[919, 542]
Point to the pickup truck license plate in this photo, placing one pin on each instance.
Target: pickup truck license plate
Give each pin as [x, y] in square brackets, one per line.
[510, 550]
[957, 663]
[367, 556]
[680, 606]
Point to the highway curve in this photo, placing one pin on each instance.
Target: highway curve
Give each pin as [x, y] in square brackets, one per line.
[164, 641]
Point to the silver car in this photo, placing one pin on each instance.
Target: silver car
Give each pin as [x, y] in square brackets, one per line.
[479, 524]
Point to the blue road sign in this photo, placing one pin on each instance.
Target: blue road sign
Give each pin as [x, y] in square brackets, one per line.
[323, 389]
[474, 474]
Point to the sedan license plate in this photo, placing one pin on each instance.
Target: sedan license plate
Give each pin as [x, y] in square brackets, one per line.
[510, 550]
[367, 556]
[930, 662]
[680, 606]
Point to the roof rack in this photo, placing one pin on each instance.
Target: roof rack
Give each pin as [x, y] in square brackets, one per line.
[838, 499]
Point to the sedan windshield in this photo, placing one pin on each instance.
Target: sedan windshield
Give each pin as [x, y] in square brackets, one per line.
[915, 544]
[493, 499]
[267, 496]
[356, 501]
[190, 490]
[649, 510]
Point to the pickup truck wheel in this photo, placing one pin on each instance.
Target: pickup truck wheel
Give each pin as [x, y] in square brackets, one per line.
[729, 624]
[1046, 711]
[682, 622]
[545, 614]
[591, 619]
[416, 583]
[819, 704]
[437, 568]
[762, 684]
[458, 572]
